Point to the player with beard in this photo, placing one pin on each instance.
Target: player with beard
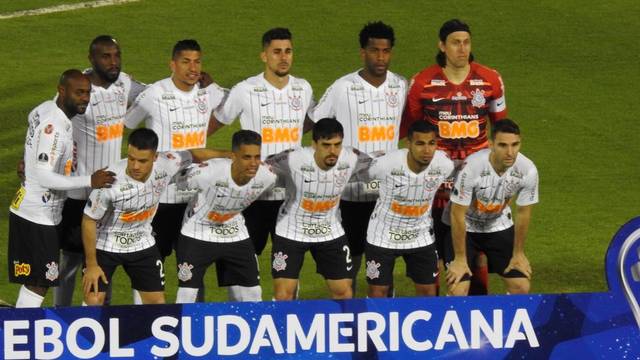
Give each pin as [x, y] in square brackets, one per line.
[36, 210]
[274, 104]
[97, 139]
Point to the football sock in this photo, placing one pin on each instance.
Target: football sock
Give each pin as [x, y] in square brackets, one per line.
[28, 299]
[186, 295]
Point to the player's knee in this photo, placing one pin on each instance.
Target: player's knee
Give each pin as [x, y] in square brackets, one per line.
[519, 286]
[152, 298]
[378, 291]
[92, 299]
[343, 291]
[460, 289]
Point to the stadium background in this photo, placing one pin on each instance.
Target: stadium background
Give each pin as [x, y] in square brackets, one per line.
[570, 69]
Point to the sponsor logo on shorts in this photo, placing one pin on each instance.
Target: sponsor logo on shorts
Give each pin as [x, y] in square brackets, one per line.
[21, 269]
[52, 271]
[373, 271]
[184, 272]
[279, 261]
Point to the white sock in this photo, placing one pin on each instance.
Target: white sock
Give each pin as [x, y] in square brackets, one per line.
[245, 293]
[84, 304]
[137, 299]
[186, 295]
[70, 263]
[28, 299]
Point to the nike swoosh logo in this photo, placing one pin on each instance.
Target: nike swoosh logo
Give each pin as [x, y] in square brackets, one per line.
[482, 188]
[173, 109]
[95, 103]
[265, 104]
[435, 274]
[308, 181]
[500, 104]
[362, 101]
[437, 99]
[349, 268]
[398, 185]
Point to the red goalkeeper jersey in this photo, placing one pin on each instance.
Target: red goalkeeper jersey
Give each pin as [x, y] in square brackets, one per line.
[461, 112]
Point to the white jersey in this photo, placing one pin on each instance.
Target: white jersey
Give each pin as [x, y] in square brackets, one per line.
[489, 195]
[125, 210]
[97, 134]
[370, 116]
[310, 212]
[48, 147]
[402, 216]
[276, 114]
[215, 215]
[179, 118]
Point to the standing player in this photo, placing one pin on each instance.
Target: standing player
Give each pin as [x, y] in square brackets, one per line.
[36, 210]
[481, 213]
[97, 139]
[116, 226]
[214, 229]
[368, 103]
[459, 96]
[401, 223]
[308, 219]
[179, 111]
[274, 104]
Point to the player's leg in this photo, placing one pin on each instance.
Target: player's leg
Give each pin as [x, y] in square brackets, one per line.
[443, 244]
[193, 257]
[355, 219]
[287, 257]
[422, 268]
[108, 262]
[333, 261]
[72, 255]
[480, 278]
[238, 267]
[146, 271]
[379, 270]
[33, 259]
[498, 246]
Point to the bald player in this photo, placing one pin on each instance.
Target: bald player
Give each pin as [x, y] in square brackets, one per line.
[36, 210]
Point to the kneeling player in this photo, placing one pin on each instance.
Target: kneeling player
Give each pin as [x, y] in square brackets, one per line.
[116, 226]
[481, 216]
[213, 229]
[401, 223]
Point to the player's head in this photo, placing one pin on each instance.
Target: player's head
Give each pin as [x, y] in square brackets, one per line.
[422, 141]
[455, 44]
[246, 145]
[104, 55]
[327, 137]
[376, 43]
[186, 64]
[504, 142]
[141, 153]
[277, 51]
[74, 90]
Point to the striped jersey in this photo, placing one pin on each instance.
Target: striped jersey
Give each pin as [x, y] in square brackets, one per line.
[276, 114]
[215, 215]
[125, 210]
[310, 211]
[402, 216]
[48, 147]
[370, 117]
[179, 118]
[489, 195]
[97, 134]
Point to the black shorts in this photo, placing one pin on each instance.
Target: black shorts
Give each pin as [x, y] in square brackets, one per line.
[260, 219]
[497, 246]
[355, 220]
[236, 262]
[144, 267]
[34, 252]
[166, 225]
[440, 231]
[422, 264]
[70, 232]
[333, 258]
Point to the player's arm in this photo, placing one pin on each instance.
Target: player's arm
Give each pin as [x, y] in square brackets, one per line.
[137, 88]
[93, 271]
[518, 260]
[140, 109]
[200, 155]
[458, 267]
[498, 106]
[307, 125]
[214, 124]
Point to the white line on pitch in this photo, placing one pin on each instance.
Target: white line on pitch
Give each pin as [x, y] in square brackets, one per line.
[64, 7]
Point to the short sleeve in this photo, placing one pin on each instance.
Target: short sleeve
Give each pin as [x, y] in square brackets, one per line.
[528, 195]
[140, 110]
[325, 108]
[463, 187]
[98, 203]
[231, 107]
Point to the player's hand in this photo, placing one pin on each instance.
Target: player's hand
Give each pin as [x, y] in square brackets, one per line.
[20, 170]
[102, 178]
[456, 270]
[92, 274]
[521, 263]
[205, 79]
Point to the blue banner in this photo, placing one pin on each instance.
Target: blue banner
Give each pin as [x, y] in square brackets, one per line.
[581, 326]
